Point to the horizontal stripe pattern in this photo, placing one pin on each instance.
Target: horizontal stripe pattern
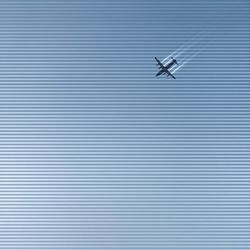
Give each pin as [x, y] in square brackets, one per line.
[97, 153]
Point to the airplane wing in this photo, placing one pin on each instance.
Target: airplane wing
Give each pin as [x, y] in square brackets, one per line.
[169, 74]
[159, 63]
[166, 71]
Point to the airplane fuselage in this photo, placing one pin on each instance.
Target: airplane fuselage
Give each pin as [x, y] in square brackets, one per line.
[167, 67]
[170, 64]
[160, 72]
[164, 69]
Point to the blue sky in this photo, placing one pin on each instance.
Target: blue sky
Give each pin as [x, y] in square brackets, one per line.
[97, 153]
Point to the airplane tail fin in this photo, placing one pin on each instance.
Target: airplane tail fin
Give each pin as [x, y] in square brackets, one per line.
[175, 61]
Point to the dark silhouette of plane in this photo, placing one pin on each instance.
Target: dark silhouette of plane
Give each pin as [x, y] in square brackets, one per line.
[165, 69]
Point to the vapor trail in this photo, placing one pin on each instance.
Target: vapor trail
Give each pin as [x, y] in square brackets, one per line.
[188, 51]
[189, 44]
[189, 58]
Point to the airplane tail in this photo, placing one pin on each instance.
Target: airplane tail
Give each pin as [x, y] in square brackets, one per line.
[174, 60]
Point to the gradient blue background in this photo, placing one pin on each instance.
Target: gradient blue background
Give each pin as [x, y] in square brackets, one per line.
[97, 153]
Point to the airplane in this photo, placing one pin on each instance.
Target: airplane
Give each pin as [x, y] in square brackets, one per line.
[165, 69]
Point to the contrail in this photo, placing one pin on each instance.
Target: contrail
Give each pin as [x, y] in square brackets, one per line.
[179, 67]
[189, 58]
[188, 45]
[188, 50]
[179, 51]
[183, 47]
